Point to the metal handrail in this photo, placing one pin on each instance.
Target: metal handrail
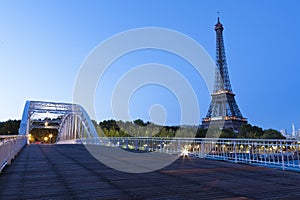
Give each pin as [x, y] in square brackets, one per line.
[10, 146]
[283, 154]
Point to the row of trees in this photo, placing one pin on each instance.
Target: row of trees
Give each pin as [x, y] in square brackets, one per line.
[139, 128]
[10, 127]
[248, 131]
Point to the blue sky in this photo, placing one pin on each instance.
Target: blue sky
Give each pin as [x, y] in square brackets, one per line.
[44, 43]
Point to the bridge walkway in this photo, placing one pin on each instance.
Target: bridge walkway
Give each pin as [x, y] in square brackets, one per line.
[70, 172]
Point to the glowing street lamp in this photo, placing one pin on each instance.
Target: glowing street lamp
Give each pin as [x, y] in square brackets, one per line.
[50, 136]
[29, 138]
[45, 139]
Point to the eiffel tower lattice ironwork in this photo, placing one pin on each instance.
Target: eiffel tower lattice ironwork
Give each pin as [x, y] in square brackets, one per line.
[223, 110]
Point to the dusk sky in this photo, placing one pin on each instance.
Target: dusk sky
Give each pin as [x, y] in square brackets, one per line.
[43, 45]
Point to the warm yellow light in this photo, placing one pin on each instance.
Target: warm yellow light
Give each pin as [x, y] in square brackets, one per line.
[184, 152]
[29, 137]
[50, 136]
[46, 139]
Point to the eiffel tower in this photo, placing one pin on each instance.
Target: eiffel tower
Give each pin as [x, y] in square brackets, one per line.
[223, 111]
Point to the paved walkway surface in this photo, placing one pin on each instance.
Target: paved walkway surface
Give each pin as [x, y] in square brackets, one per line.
[70, 172]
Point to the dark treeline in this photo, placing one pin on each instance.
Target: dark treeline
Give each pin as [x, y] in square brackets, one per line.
[139, 128]
[10, 127]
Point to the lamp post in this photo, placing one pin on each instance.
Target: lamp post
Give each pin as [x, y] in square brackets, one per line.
[45, 139]
[50, 136]
[29, 138]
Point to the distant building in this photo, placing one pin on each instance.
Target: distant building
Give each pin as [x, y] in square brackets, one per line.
[293, 130]
[294, 135]
[286, 134]
[283, 132]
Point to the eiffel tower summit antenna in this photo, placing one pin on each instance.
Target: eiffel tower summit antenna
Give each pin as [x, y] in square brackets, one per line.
[223, 111]
[218, 16]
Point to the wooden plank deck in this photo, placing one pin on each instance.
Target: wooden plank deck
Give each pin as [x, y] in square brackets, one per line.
[70, 172]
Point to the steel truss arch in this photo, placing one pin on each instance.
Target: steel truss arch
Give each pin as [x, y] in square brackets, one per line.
[70, 120]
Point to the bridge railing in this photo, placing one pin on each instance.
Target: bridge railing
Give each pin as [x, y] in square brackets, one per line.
[10, 146]
[284, 154]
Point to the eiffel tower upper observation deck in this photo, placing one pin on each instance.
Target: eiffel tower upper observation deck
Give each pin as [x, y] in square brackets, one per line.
[223, 110]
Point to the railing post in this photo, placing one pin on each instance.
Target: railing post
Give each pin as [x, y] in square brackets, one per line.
[136, 144]
[282, 156]
[202, 149]
[147, 144]
[249, 151]
[178, 146]
[297, 152]
[234, 149]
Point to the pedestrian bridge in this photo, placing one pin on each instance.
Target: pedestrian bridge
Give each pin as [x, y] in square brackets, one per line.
[69, 169]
